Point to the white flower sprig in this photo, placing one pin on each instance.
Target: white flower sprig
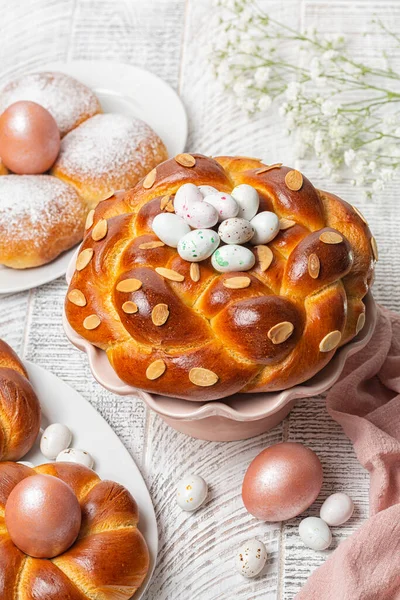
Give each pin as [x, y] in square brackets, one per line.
[317, 81]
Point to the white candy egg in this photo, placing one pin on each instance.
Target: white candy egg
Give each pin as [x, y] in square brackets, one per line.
[315, 533]
[201, 215]
[170, 228]
[198, 244]
[251, 558]
[225, 205]
[235, 231]
[75, 455]
[55, 438]
[337, 509]
[266, 227]
[247, 199]
[185, 197]
[206, 190]
[191, 492]
[232, 258]
[26, 463]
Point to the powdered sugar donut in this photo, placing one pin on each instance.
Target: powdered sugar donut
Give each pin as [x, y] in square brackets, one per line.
[108, 152]
[40, 217]
[69, 101]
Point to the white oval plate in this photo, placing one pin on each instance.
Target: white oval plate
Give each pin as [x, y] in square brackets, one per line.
[62, 404]
[124, 89]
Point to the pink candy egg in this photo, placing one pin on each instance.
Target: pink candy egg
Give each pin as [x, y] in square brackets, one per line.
[282, 482]
[29, 138]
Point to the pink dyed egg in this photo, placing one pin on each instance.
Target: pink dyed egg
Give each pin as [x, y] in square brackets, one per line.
[282, 482]
[29, 138]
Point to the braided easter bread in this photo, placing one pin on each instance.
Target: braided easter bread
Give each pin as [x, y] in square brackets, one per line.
[19, 407]
[108, 561]
[186, 331]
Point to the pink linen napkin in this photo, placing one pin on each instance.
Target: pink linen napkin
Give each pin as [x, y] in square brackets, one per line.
[366, 403]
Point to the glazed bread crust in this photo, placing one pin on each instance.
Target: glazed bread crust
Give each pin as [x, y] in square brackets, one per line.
[228, 332]
[109, 559]
[19, 407]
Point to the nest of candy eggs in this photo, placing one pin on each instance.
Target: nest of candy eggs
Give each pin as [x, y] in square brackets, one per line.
[207, 222]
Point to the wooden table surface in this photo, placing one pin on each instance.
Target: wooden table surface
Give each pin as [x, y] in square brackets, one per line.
[169, 37]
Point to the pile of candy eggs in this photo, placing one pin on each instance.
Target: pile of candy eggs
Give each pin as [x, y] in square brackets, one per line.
[55, 445]
[200, 208]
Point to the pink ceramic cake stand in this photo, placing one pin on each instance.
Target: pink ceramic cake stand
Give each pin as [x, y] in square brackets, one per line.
[234, 418]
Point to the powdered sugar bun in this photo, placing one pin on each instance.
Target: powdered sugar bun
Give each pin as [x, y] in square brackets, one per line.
[68, 101]
[108, 152]
[40, 217]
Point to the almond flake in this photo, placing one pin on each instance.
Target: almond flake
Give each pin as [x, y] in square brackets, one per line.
[164, 201]
[360, 322]
[151, 245]
[84, 259]
[155, 369]
[129, 285]
[89, 219]
[330, 341]
[247, 158]
[294, 180]
[314, 266]
[129, 307]
[186, 160]
[280, 332]
[100, 230]
[149, 180]
[169, 274]
[286, 224]
[359, 213]
[265, 256]
[374, 247]
[331, 237]
[170, 207]
[160, 314]
[237, 283]
[77, 297]
[195, 272]
[266, 168]
[91, 322]
[202, 377]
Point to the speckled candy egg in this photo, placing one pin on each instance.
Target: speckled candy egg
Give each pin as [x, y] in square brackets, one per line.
[232, 258]
[29, 138]
[170, 228]
[337, 509]
[224, 204]
[43, 516]
[266, 227]
[201, 215]
[206, 190]
[281, 482]
[75, 455]
[235, 231]
[55, 438]
[191, 492]
[251, 558]
[315, 533]
[185, 197]
[198, 244]
[248, 200]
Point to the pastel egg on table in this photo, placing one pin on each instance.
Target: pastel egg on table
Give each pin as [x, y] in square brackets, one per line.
[315, 533]
[251, 558]
[191, 492]
[337, 509]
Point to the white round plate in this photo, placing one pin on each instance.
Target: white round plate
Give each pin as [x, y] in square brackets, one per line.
[62, 404]
[124, 89]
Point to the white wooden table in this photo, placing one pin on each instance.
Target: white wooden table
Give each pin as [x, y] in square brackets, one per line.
[168, 37]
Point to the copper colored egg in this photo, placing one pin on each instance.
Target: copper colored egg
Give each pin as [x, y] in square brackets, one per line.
[29, 138]
[282, 482]
[43, 516]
